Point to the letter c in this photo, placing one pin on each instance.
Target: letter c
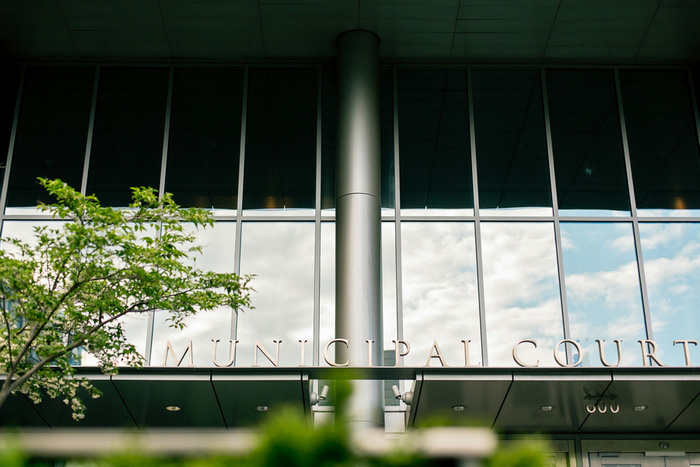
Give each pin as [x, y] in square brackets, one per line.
[327, 358]
[517, 358]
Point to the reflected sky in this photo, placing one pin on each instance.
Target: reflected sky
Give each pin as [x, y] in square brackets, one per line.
[327, 324]
[440, 292]
[389, 307]
[672, 268]
[282, 257]
[602, 290]
[218, 244]
[521, 291]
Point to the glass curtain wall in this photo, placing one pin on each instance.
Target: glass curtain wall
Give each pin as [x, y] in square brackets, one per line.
[519, 204]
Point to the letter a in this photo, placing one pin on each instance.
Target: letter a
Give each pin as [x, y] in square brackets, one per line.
[437, 354]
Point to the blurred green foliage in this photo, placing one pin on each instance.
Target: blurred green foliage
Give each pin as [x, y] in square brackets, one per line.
[287, 438]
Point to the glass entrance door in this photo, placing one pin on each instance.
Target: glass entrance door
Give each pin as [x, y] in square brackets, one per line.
[641, 459]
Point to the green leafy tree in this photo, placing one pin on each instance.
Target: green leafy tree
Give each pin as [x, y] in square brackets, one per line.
[70, 287]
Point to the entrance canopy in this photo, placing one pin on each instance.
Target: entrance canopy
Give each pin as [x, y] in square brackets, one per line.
[649, 400]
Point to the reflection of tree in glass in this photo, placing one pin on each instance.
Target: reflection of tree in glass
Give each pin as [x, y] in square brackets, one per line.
[70, 287]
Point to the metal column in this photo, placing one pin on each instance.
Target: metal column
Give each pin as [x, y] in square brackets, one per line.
[358, 230]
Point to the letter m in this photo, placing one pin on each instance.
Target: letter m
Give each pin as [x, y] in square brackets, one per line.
[170, 351]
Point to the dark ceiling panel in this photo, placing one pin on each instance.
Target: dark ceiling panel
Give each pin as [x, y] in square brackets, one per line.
[108, 410]
[269, 29]
[689, 419]
[523, 407]
[18, 411]
[664, 396]
[242, 395]
[148, 397]
[482, 396]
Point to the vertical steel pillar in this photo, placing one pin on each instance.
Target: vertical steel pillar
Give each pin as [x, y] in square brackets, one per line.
[358, 219]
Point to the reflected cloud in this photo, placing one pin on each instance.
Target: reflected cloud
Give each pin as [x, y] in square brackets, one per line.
[282, 257]
[440, 293]
[603, 290]
[672, 267]
[217, 243]
[521, 290]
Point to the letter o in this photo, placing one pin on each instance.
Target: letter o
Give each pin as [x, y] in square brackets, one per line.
[579, 350]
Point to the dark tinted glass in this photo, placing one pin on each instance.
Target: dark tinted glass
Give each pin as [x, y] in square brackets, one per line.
[51, 132]
[662, 138]
[696, 80]
[386, 124]
[588, 157]
[328, 127]
[280, 159]
[511, 147]
[434, 140]
[205, 134]
[127, 143]
[8, 98]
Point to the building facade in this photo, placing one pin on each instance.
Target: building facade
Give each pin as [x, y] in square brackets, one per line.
[532, 258]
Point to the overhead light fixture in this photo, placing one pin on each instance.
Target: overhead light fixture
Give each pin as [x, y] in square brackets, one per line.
[664, 445]
[547, 408]
[172, 408]
[459, 408]
[262, 408]
[640, 408]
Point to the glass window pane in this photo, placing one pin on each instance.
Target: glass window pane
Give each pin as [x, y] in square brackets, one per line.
[386, 124]
[389, 307]
[440, 292]
[8, 100]
[663, 142]
[328, 127]
[521, 289]
[217, 244]
[588, 158]
[511, 148]
[280, 158]
[434, 142]
[282, 257]
[51, 133]
[672, 269]
[696, 80]
[205, 134]
[127, 145]
[602, 290]
[327, 303]
[134, 325]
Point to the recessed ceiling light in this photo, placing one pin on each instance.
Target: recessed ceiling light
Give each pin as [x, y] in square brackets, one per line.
[459, 408]
[172, 408]
[547, 408]
[640, 408]
[262, 408]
